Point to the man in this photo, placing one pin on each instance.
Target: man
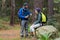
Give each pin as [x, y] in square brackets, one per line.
[24, 14]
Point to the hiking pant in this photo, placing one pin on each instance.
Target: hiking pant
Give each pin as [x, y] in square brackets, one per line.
[24, 27]
[32, 28]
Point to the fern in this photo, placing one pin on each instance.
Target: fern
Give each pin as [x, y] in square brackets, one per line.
[44, 36]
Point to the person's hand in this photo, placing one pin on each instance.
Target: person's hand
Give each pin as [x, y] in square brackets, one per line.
[27, 16]
[30, 14]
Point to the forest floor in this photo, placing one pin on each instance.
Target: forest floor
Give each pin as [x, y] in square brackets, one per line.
[12, 35]
[11, 32]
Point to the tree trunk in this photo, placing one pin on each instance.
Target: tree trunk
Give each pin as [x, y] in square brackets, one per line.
[37, 4]
[3, 7]
[50, 8]
[12, 12]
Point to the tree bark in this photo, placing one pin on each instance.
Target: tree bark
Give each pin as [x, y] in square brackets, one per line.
[12, 12]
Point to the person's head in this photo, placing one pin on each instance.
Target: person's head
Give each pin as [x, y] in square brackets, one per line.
[37, 10]
[25, 5]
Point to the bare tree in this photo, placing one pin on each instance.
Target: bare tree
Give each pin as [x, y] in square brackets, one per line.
[12, 12]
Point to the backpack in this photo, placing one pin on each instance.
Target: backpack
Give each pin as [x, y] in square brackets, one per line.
[43, 16]
[22, 14]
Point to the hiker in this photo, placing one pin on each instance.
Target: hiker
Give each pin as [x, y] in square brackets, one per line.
[37, 23]
[24, 14]
[40, 20]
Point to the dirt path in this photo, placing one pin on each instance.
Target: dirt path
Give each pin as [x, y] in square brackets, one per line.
[10, 34]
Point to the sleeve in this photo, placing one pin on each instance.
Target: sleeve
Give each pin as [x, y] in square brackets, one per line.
[38, 20]
[20, 13]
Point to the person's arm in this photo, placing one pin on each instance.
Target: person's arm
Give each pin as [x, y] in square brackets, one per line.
[20, 13]
[39, 19]
[30, 13]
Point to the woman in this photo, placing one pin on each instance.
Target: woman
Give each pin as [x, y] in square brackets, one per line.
[37, 23]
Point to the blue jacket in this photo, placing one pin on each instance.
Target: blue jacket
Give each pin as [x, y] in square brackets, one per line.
[22, 13]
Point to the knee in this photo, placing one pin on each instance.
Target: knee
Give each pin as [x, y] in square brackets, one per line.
[31, 27]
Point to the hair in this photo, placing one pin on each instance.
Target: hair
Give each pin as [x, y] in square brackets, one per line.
[38, 10]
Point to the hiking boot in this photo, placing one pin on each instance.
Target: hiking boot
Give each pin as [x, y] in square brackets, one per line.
[26, 35]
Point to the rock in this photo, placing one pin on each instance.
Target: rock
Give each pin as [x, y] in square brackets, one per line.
[57, 39]
[47, 29]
